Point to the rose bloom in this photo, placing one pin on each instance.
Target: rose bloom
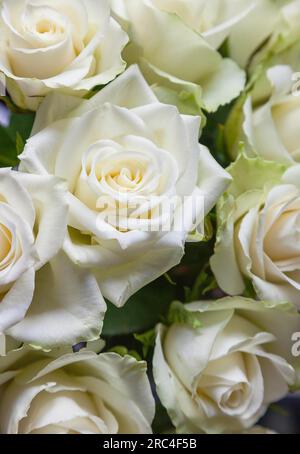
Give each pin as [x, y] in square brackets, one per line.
[28, 237]
[36, 297]
[255, 29]
[66, 45]
[267, 37]
[221, 377]
[271, 129]
[258, 220]
[213, 19]
[75, 393]
[180, 62]
[124, 153]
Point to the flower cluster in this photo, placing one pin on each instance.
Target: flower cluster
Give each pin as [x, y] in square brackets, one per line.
[149, 153]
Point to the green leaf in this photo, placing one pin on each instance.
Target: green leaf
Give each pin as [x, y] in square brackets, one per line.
[169, 279]
[224, 49]
[249, 291]
[162, 423]
[279, 410]
[213, 135]
[204, 283]
[19, 143]
[147, 340]
[142, 312]
[10, 105]
[196, 258]
[180, 316]
[13, 138]
[119, 349]
[7, 149]
[21, 124]
[234, 127]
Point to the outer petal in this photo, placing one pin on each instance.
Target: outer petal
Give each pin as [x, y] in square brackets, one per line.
[121, 382]
[67, 302]
[173, 395]
[194, 12]
[259, 125]
[54, 107]
[199, 64]
[16, 302]
[236, 12]
[18, 398]
[213, 179]
[128, 90]
[110, 62]
[276, 292]
[119, 282]
[188, 350]
[49, 198]
[223, 85]
[125, 388]
[252, 31]
[224, 257]
[208, 93]
[148, 27]
[292, 176]
[252, 174]
[16, 195]
[268, 316]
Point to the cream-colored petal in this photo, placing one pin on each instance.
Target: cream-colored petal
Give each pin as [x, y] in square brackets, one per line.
[63, 293]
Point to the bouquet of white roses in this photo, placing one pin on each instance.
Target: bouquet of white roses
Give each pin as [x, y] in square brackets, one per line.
[149, 214]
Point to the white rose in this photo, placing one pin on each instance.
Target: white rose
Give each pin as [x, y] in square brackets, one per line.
[29, 237]
[266, 38]
[251, 32]
[221, 377]
[37, 296]
[124, 148]
[181, 64]
[258, 221]
[271, 129]
[214, 19]
[276, 29]
[65, 45]
[76, 393]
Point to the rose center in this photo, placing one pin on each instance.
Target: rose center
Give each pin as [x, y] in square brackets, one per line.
[127, 177]
[124, 176]
[235, 397]
[46, 26]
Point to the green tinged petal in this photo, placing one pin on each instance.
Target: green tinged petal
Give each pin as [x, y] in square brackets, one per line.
[250, 174]
[234, 127]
